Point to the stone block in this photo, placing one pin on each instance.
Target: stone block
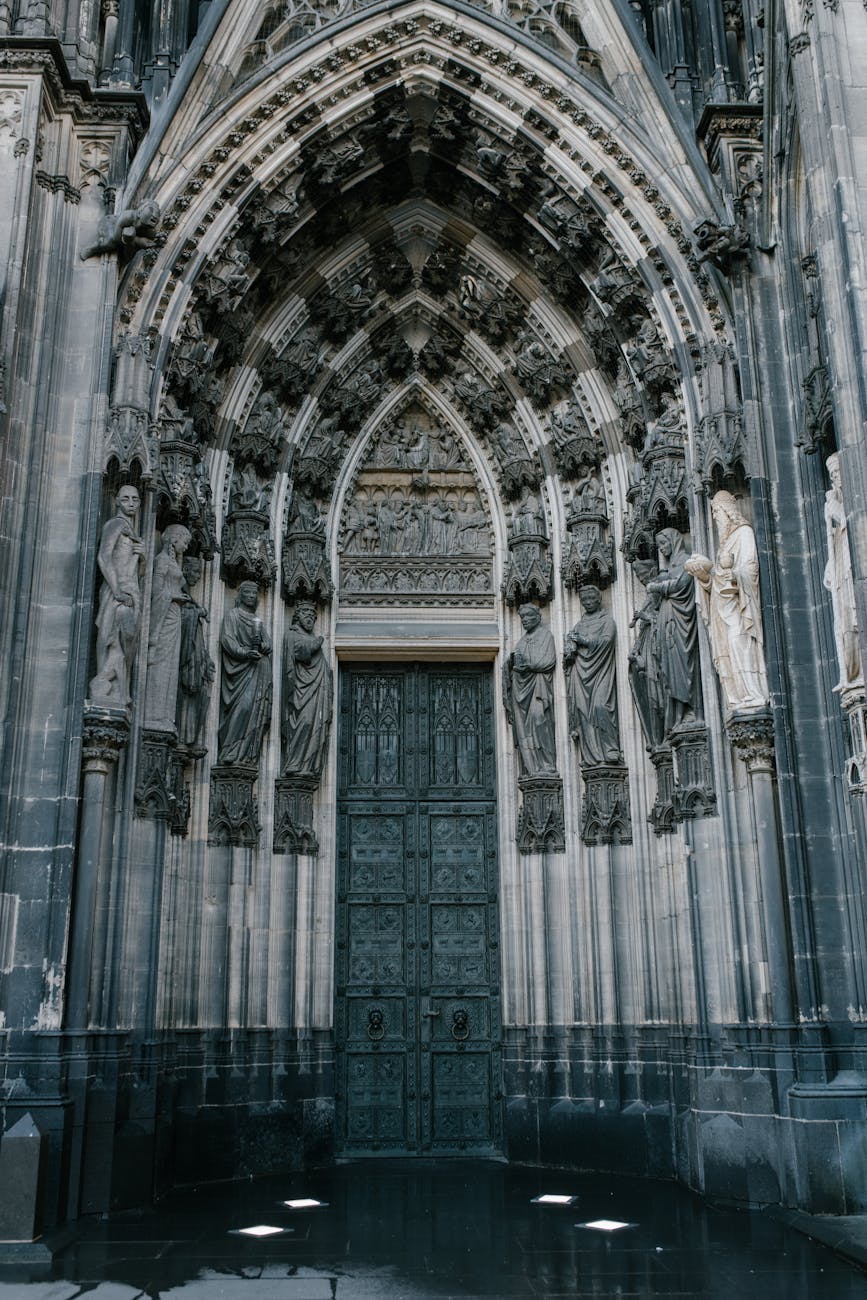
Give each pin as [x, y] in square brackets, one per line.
[22, 1151]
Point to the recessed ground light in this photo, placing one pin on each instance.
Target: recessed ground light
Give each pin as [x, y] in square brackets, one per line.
[305, 1203]
[604, 1225]
[551, 1199]
[259, 1230]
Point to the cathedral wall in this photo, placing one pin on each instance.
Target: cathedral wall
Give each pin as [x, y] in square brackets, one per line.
[414, 358]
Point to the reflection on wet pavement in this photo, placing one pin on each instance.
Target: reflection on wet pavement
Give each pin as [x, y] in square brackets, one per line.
[399, 1230]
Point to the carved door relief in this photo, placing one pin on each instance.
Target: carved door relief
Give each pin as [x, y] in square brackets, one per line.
[418, 1006]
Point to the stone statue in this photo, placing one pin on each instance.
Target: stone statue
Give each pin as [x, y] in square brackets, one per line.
[838, 580]
[168, 595]
[528, 695]
[677, 630]
[588, 654]
[129, 230]
[644, 670]
[120, 559]
[245, 685]
[727, 592]
[306, 705]
[196, 669]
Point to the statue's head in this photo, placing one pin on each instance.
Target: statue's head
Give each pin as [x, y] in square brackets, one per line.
[305, 615]
[669, 542]
[192, 567]
[127, 500]
[530, 617]
[590, 597]
[149, 213]
[176, 538]
[726, 511]
[832, 464]
[248, 595]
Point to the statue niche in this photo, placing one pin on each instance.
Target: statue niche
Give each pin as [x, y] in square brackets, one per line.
[414, 528]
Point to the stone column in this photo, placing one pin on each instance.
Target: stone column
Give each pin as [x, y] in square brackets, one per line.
[752, 736]
[105, 733]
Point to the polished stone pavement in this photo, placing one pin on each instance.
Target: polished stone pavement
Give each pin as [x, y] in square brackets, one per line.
[400, 1230]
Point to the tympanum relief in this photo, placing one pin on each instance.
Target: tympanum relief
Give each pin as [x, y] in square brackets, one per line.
[414, 527]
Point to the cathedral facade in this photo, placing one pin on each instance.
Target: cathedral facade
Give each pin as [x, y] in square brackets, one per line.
[434, 525]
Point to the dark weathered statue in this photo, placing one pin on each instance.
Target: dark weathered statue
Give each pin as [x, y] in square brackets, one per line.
[677, 630]
[197, 669]
[168, 596]
[125, 233]
[528, 695]
[245, 684]
[120, 559]
[306, 704]
[588, 655]
[644, 673]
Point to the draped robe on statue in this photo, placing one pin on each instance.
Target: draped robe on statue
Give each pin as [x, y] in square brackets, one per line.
[677, 633]
[529, 698]
[730, 605]
[245, 687]
[589, 651]
[306, 709]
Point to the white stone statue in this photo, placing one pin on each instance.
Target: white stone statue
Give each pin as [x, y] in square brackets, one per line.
[727, 593]
[838, 580]
[168, 595]
[120, 559]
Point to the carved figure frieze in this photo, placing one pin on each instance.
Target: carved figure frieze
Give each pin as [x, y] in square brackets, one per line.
[725, 247]
[334, 163]
[727, 592]
[441, 271]
[398, 358]
[528, 696]
[484, 405]
[530, 569]
[245, 681]
[575, 447]
[589, 661]
[317, 467]
[224, 283]
[347, 307]
[293, 374]
[577, 227]
[120, 560]
[191, 359]
[351, 400]
[651, 361]
[588, 553]
[262, 438]
[196, 668]
[168, 595]
[495, 315]
[517, 468]
[126, 232]
[617, 286]
[391, 269]
[539, 373]
[306, 705]
[439, 355]
[414, 524]
[247, 550]
[839, 582]
[306, 572]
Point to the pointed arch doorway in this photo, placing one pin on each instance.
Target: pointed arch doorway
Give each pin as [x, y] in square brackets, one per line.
[417, 1011]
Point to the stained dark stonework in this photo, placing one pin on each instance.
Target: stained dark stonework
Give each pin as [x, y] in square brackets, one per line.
[410, 362]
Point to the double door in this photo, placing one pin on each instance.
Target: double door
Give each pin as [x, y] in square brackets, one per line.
[417, 1011]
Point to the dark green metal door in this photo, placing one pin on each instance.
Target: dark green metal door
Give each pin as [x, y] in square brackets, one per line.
[418, 1011]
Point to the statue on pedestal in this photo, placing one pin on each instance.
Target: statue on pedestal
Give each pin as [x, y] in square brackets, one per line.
[727, 592]
[838, 580]
[196, 669]
[120, 559]
[306, 703]
[677, 630]
[245, 685]
[528, 695]
[168, 595]
[588, 655]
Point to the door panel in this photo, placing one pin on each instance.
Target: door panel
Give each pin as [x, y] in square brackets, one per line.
[417, 1010]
